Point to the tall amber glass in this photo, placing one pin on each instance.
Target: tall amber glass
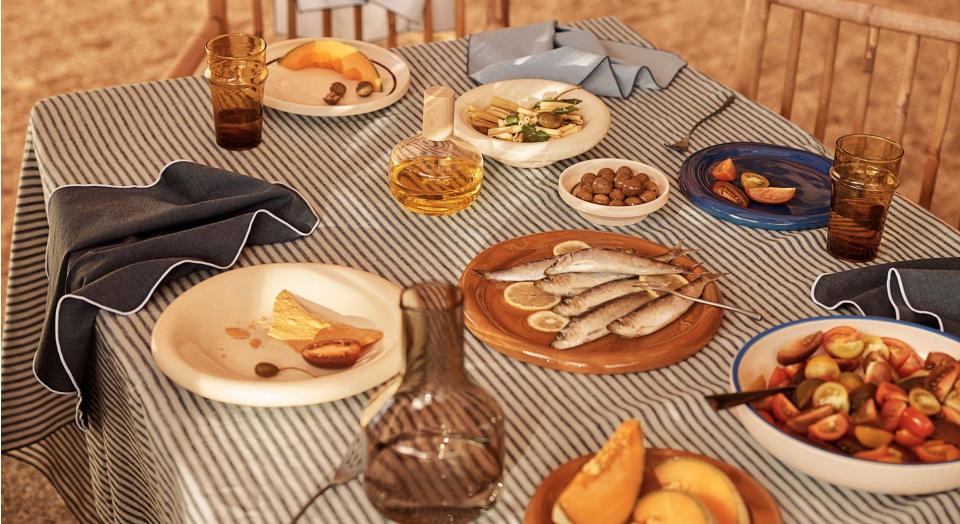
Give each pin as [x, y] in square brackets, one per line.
[236, 71]
[865, 175]
[434, 452]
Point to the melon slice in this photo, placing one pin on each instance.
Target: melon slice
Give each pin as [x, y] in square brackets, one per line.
[331, 54]
[707, 483]
[667, 506]
[606, 487]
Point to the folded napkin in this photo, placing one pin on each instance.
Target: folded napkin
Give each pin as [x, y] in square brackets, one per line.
[110, 247]
[925, 292]
[569, 55]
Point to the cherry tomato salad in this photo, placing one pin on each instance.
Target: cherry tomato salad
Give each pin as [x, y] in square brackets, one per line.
[866, 396]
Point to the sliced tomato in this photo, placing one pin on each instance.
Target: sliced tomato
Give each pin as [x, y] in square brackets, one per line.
[724, 170]
[924, 401]
[843, 342]
[782, 408]
[833, 394]
[916, 422]
[913, 364]
[748, 180]
[830, 428]
[778, 378]
[890, 413]
[905, 438]
[822, 367]
[840, 333]
[793, 369]
[872, 437]
[936, 451]
[765, 415]
[882, 454]
[889, 391]
[899, 351]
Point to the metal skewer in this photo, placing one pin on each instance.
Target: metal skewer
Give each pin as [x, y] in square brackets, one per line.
[752, 314]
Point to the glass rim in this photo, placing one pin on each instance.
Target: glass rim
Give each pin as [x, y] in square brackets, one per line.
[260, 47]
[872, 188]
[879, 138]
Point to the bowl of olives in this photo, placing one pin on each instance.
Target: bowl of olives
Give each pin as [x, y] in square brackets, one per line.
[613, 191]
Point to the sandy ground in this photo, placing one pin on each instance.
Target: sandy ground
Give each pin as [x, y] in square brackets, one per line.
[57, 46]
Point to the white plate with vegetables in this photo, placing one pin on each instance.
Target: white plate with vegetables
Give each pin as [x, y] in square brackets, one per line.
[529, 122]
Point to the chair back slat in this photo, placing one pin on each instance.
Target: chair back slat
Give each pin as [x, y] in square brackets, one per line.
[391, 29]
[906, 87]
[358, 22]
[940, 126]
[460, 18]
[881, 17]
[327, 22]
[826, 81]
[750, 50]
[427, 21]
[291, 19]
[866, 79]
[793, 60]
[257, 9]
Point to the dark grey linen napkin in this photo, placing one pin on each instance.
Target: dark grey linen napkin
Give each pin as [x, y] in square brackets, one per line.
[110, 247]
[924, 291]
[577, 57]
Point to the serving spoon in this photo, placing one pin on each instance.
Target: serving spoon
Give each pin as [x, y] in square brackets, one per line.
[729, 400]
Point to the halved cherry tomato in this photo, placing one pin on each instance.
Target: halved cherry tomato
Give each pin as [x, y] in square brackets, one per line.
[822, 367]
[905, 438]
[924, 401]
[889, 391]
[913, 364]
[890, 413]
[793, 369]
[839, 333]
[937, 451]
[916, 422]
[782, 408]
[765, 415]
[724, 170]
[872, 437]
[899, 351]
[830, 428]
[874, 344]
[843, 342]
[882, 454]
[778, 378]
[748, 179]
[832, 394]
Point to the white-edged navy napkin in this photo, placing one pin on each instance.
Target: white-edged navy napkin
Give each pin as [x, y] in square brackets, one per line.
[574, 56]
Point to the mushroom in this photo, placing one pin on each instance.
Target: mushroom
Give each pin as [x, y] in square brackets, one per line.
[549, 120]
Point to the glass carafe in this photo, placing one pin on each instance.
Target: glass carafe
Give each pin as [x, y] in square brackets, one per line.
[434, 451]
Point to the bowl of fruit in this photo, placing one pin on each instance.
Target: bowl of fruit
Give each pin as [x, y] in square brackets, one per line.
[865, 402]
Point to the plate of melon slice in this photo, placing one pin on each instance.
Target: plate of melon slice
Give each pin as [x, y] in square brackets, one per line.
[627, 483]
[304, 71]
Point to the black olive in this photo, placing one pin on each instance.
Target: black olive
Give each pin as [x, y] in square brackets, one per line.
[364, 88]
[338, 88]
[266, 370]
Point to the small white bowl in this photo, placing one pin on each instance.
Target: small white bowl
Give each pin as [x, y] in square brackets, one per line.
[596, 122]
[758, 356]
[611, 215]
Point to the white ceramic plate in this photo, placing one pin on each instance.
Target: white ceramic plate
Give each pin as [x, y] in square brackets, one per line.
[611, 215]
[190, 344]
[596, 122]
[302, 91]
[760, 356]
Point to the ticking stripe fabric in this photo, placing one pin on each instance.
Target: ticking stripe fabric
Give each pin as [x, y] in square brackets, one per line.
[157, 453]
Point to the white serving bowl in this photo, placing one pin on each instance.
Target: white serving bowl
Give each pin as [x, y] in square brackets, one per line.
[611, 215]
[596, 122]
[758, 356]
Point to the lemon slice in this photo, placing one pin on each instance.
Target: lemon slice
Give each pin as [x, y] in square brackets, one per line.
[526, 296]
[569, 246]
[547, 321]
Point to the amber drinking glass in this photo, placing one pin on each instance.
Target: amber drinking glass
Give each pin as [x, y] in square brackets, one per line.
[236, 71]
[865, 175]
[434, 451]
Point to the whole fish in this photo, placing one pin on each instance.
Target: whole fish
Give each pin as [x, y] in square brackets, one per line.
[596, 260]
[524, 272]
[658, 313]
[591, 298]
[569, 284]
[593, 324]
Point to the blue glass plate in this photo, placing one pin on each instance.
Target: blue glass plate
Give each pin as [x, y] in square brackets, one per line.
[783, 166]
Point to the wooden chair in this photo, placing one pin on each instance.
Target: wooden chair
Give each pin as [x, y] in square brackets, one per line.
[498, 15]
[750, 56]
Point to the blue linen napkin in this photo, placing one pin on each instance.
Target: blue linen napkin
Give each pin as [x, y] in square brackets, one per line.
[110, 247]
[920, 291]
[577, 57]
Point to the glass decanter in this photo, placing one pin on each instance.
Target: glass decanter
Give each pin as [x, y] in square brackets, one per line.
[434, 172]
[434, 451]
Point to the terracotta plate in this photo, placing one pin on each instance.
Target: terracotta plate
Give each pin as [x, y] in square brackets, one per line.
[505, 328]
[761, 505]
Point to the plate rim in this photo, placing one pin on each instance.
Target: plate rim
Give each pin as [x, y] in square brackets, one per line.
[171, 364]
[724, 211]
[403, 79]
[540, 494]
[525, 351]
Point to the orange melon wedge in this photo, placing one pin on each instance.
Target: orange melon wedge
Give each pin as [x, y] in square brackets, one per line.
[606, 487]
[708, 484]
[667, 506]
[338, 56]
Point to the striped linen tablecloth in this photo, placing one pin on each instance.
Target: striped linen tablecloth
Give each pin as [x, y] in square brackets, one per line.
[157, 453]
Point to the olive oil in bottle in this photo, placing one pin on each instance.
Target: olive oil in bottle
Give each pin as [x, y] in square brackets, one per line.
[435, 173]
